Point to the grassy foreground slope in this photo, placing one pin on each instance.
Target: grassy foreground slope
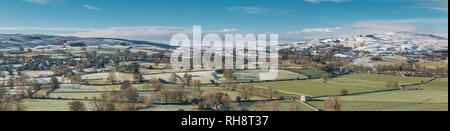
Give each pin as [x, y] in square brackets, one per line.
[385, 106]
[416, 96]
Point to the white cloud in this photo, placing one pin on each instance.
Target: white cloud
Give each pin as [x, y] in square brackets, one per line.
[318, 1]
[439, 9]
[365, 27]
[90, 7]
[415, 21]
[163, 33]
[38, 1]
[309, 30]
[438, 5]
[248, 9]
[149, 33]
[42, 29]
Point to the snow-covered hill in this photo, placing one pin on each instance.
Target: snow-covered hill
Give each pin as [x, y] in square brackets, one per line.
[384, 43]
[17, 40]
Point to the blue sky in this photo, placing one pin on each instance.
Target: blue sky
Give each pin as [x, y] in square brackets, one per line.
[146, 19]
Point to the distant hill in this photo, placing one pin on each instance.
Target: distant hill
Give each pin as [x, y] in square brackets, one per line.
[17, 40]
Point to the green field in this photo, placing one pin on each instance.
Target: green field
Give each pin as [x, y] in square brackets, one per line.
[437, 85]
[385, 106]
[316, 88]
[254, 75]
[311, 72]
[377, 80]
[51, 105]
[434, 92]
[417, 96]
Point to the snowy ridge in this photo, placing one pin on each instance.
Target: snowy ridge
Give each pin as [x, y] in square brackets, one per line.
[387, 43]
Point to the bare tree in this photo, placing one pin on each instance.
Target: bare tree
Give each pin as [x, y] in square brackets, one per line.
[325, 78]
[188, 79]
[55, 83]
[157, 85]
[173, 78]
[333, 103]
[197, 84]
[112, 76]
[247, 91]
[125, 85]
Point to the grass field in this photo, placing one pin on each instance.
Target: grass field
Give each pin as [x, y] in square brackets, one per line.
[316, 88]
[376, 80]
[51, 105]
[145, 71]
[433, 64]
[254, 75]
[417, 96]
[283, 106]
[385, 106]
[101, 78]
[232, 94]
[311, 72]
[76, 87]
[34, 74]
[434, 92]
[171, 108]
[75, 95]
[437, 85]
[203, 76]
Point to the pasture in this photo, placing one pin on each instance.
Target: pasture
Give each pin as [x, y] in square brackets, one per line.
[254, 75]
[316, 88]
[385, 106]
[437, 85]
[433, 64]
[171, 108]
[376, 80]
[283, 106]
[203, 76]
[36, 74]
[416, 96]
[51, 105]
[310, 72]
